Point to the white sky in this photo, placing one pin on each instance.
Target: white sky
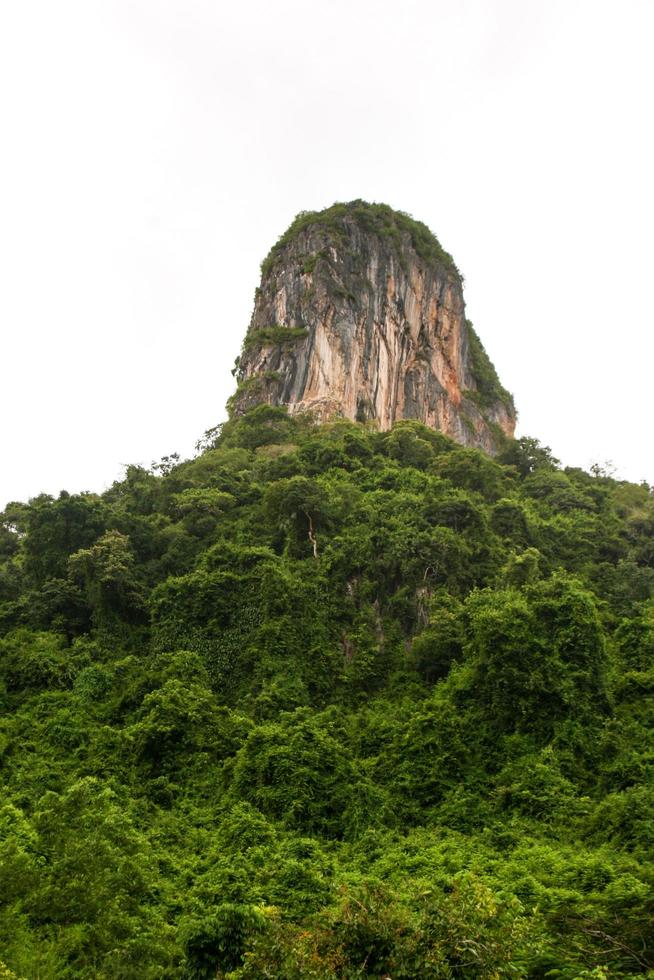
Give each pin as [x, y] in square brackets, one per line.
[153, 150]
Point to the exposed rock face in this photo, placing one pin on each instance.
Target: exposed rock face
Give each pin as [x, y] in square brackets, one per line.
[360, 313]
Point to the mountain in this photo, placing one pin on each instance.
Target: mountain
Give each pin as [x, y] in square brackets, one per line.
[330, 701]
[360, 314]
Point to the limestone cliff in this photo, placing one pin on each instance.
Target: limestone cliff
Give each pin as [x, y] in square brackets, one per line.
[360, 313]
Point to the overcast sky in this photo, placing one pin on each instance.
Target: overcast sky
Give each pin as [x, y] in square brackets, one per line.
[153, 151]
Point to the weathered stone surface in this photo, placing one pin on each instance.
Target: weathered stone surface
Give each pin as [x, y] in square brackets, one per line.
[359, 314]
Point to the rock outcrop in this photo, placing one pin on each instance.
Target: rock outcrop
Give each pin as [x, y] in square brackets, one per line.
[360, 313]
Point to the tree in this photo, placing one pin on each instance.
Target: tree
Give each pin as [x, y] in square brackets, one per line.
[538, 656]
[54, 529]
[298, 507]
[527, 455]
[107, 574]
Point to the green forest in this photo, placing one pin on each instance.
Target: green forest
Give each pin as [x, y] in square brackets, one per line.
[328, 702]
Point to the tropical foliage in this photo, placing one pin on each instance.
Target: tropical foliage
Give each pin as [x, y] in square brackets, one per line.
[327, 702]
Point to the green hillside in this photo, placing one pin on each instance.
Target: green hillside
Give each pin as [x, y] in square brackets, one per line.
[325, 702]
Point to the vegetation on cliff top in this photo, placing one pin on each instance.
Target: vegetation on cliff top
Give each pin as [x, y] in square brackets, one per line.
[325, 702]
[489, 387]
[375, 219]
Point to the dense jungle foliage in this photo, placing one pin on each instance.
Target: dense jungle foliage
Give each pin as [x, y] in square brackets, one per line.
[325, 702]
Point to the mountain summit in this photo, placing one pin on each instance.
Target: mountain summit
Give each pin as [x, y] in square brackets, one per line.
[360, 313]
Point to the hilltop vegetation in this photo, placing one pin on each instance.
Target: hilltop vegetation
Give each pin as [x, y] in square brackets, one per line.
[375, 219]
[325, 702]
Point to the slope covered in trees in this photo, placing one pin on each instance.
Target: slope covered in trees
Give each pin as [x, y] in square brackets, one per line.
[326, 702]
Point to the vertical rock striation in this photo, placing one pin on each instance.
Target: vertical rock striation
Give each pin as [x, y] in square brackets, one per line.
[360, 313]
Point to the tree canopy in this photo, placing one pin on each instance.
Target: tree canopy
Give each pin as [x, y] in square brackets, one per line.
[328, 702]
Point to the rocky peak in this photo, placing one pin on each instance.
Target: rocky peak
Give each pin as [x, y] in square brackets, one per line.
[360, 314]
